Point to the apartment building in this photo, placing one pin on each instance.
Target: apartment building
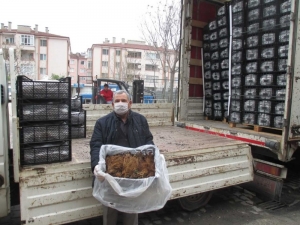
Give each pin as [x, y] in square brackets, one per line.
[129, 61]
[79, 69]
[38, 55]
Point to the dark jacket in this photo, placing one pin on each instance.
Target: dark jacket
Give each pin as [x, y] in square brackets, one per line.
[106, 128]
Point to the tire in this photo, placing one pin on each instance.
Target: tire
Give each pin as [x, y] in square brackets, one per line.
[193, 202]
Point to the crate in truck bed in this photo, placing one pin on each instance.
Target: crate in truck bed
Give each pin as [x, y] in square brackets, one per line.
[42, 133]
[49, 111]
[76, 104]
[78, 131]
[30, 89]
[78, 118]
[46, 153]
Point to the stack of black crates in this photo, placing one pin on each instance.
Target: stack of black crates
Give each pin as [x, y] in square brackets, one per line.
[216, 65]
[260, 31]
[44, 111]
[78, 119]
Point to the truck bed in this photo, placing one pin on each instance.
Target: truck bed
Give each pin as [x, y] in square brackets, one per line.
[268, 138]
[197, 162]
[168, 139]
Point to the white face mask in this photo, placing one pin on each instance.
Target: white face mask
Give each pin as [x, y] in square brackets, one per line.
[121, 108]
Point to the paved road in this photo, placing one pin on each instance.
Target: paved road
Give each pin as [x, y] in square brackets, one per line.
[230, 206]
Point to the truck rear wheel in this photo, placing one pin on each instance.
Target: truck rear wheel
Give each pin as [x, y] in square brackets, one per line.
[193, 202]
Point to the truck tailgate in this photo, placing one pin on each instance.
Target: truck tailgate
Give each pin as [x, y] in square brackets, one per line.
[199, 162]
[61, 192]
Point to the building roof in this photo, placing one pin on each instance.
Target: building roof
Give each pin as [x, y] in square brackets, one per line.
[75, 56]
[126, 45]
[32, 32]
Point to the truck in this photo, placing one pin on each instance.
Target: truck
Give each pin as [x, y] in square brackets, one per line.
[61, 192]
[201, 155]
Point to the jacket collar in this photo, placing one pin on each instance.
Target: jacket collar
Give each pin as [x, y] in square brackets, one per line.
[128, 118]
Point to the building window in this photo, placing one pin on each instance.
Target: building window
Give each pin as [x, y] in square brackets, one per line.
[89, 65]
[82, 62]
[150, 78]
[72, 77]
[117, 64]
[43, 57]
[27, 40]
[134, 66]
[26, 55]
[71, 70]
[82, 78]
[43, 71]
[89, 74]
[27, 69]
[104, 75]
[72, 61]
[105, 63]
[9, 40]
[152, 56]
[82, 70]
[151, 67]
[136, 55]
[117, 76]
[43, 42]
[118, 52]
[104, 51]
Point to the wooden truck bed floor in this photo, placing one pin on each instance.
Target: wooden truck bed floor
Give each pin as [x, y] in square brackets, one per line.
[168, 139]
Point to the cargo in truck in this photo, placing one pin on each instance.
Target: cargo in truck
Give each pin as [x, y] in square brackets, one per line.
[238, 68]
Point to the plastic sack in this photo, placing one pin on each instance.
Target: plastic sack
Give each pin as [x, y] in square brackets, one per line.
[133, 195]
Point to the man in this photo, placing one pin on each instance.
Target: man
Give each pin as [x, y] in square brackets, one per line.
[121, 127]
[107, 94]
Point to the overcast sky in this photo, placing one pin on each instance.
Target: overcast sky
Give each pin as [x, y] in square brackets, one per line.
[86, 22]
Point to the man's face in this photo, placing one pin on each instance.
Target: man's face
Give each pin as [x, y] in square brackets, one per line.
[105, 88]
[122, 98]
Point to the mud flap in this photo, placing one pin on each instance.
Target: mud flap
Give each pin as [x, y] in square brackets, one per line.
[267, 187]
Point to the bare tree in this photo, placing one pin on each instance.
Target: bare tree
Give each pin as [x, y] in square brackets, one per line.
[128, 68]
[161, 29]
[23, 61]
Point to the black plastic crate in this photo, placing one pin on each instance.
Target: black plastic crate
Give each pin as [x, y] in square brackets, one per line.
[249, 118]
[238, 6]
[78, 132]
[217, 106]
[38, 133]
[30, 89]
[253, 3]
[264, 119]
[43, 112]
[249, 105]
[208, 112]
[46, 153]
[235, 117]
[236, 106]
[278, 121]
[236, 82]
[285, 7]
[76, 103]
[218, 114]
[78, 118]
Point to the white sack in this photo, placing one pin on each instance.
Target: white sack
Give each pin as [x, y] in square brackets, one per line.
[133, 195]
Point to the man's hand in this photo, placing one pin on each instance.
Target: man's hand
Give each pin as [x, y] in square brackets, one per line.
[97, 175]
